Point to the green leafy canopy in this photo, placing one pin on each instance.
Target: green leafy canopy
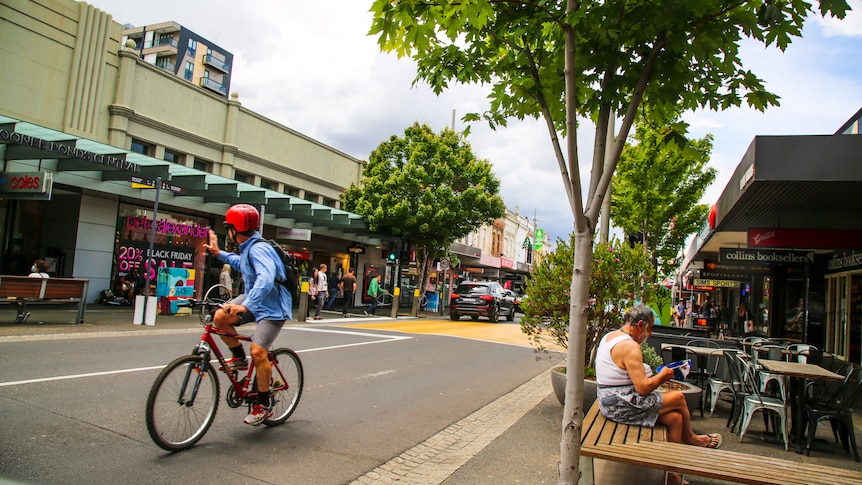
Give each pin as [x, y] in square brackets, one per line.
[427, 187]
[660, 178]
[622, 276]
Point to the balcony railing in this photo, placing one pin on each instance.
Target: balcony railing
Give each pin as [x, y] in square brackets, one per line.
[168, 41]
[217, 63]
[166, 64]
[212, 85]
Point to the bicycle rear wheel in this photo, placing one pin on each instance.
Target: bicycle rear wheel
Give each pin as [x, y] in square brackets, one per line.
[286, 389]
[182, 403]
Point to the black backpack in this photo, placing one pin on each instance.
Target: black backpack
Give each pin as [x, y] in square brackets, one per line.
[289, 261]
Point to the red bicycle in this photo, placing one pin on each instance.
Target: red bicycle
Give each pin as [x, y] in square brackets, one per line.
[184, 398]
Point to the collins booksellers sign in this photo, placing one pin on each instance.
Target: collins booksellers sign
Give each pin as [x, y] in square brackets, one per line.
[841, 261]
[761, 257]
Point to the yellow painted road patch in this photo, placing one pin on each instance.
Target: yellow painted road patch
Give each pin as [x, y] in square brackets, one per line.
[507, 333]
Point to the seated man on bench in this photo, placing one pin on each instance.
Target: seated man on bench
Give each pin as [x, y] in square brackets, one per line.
[627, 389]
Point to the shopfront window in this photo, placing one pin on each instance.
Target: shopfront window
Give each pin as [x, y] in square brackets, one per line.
[177, 240]
[837, 324]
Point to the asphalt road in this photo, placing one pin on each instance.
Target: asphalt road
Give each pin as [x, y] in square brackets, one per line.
[72, 411]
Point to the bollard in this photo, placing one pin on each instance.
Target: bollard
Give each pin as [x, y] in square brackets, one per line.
[415, 311]
[303, 302]
[396, 296]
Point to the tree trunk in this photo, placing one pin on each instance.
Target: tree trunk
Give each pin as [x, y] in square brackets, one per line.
[573, 414]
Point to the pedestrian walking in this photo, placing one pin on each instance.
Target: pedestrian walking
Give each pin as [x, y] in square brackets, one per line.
[322, 290]
[373, 290]
[348, 289]
[334, 286]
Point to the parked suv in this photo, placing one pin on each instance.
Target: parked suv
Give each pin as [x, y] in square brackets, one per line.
[481, 299]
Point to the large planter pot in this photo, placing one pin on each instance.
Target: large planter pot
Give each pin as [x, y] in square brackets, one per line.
[558, 382]
[691, 393]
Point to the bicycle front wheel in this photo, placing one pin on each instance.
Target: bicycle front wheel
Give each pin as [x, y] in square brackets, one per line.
[286, 389]
[182, 403]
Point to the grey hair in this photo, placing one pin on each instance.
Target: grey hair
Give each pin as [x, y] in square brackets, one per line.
[637, 313]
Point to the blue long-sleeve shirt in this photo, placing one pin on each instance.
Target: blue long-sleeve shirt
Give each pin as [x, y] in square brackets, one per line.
[264, 297]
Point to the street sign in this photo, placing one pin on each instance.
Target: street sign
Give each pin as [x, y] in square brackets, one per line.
[716, 283]
[145, 183]
[445, 263]
[539, 239]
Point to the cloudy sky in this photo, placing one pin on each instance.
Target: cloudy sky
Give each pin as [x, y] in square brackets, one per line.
[311, 66]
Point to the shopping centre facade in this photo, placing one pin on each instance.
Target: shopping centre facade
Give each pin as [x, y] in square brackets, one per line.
[91, 124]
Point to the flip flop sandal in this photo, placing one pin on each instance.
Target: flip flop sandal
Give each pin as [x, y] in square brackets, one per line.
[714, 440]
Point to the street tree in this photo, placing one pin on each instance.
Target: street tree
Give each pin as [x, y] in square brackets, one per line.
[660, 179]
[428, 188]
[565, 60]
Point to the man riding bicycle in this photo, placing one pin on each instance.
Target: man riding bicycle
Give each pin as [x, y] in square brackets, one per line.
[265, 302]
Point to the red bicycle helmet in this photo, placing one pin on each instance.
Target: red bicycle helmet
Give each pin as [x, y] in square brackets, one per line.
[243, 218]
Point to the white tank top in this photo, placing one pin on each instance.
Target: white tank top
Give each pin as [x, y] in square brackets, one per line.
[608, 373]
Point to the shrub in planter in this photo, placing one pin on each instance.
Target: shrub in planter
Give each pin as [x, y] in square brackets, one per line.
[621, 276]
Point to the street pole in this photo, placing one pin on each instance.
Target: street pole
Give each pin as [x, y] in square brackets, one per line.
[150, 252]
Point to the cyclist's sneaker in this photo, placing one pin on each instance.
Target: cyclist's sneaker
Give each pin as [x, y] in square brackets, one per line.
[235, 363]
[258, 414]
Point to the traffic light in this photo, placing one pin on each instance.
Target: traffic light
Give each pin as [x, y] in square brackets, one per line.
[404, 255]
[390, 252]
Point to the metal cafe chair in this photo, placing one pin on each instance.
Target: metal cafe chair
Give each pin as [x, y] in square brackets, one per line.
[839, 411]
[703, 367]
[771, 352]
[736, 367]
[798, 352]
[721, 379]
[753, 401]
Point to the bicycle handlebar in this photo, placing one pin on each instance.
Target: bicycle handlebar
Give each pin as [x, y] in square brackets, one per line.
[195, 302]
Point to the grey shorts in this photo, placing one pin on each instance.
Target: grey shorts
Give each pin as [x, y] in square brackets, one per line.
[266, 331]
[622, 404]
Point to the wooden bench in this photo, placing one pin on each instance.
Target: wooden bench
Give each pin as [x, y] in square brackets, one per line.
[648, 447]
[22, 291]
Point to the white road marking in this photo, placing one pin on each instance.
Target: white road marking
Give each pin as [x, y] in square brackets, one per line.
[383, 339]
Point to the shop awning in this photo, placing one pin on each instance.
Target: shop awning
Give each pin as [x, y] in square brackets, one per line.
[790, 182]
[90, 165]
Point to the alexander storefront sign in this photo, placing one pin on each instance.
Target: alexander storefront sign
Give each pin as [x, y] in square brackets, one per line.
[761, 257]
[64, 150]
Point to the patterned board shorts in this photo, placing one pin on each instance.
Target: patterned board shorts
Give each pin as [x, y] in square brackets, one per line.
[622, 404]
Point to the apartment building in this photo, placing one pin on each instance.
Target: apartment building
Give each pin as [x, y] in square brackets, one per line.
[183, 53]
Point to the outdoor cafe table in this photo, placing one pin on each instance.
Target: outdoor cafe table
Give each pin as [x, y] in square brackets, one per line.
[797, 373]
[702, 354]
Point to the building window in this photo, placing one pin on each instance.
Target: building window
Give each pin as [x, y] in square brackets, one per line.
[329, 202]
[141, 147]
[173, 157]
[203, 165]
[242, 177]
[190, 71]
[193, 47]
[268, 184]
[291, 191]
